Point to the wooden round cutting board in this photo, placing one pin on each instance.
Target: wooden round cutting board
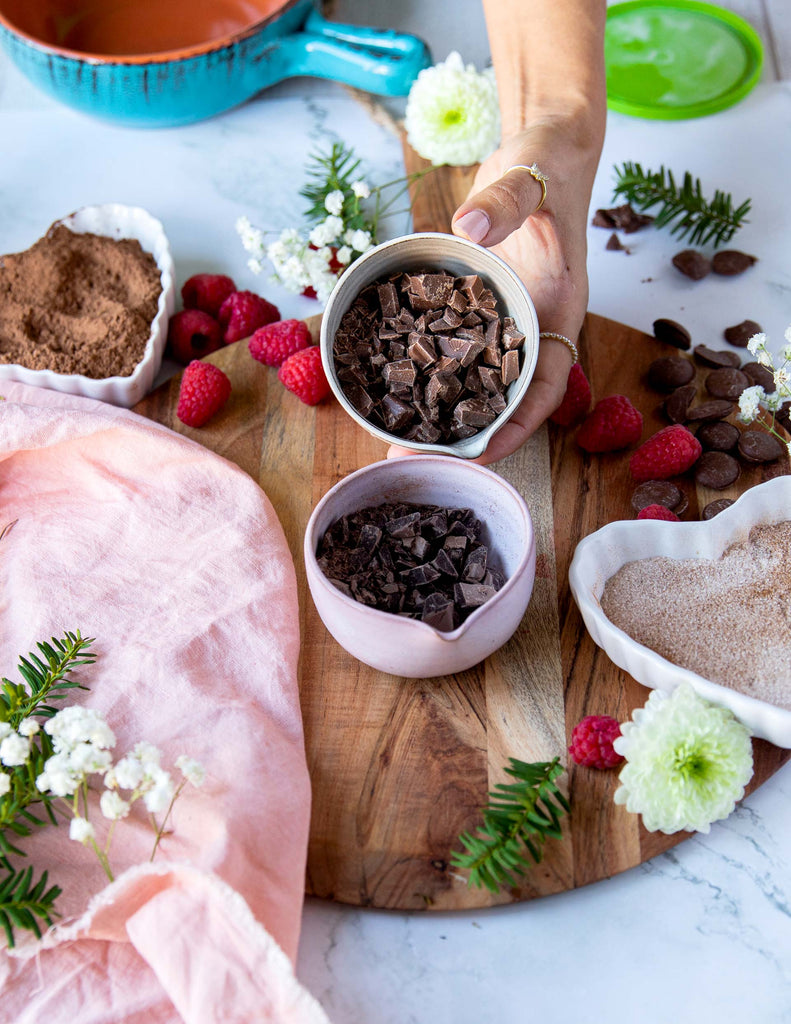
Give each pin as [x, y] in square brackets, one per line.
[400, 767]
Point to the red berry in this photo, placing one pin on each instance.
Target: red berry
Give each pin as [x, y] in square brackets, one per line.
[576, 400]
[273, 343]
[303, 374]
[243, 313]
[667, 453]
[658, 512]
[592, 739]
[193, 334]
[204, 391]
[613, 424]
[207, 292]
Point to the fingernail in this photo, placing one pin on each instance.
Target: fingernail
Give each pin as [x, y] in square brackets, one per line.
[474, 224]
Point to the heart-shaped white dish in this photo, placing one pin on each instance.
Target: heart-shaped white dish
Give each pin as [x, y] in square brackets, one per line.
[601, 555]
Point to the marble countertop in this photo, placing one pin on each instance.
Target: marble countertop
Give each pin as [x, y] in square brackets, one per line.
[702, 933]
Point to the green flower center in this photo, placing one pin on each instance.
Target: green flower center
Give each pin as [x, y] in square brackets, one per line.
[691, 763]
[452, 117]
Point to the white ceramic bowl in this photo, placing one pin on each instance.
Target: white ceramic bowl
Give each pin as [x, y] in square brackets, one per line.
[408, 647]
[599, 556]
[458, 256]
[116, 221]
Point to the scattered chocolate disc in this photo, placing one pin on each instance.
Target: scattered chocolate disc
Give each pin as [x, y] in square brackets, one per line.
[730, 262]
[715, 507]
[759, 375]
[676, 405]
[706, 412]
[719, 436]
[692, 263]
[741, 333]
[623, 218]
[726, 382]
[656, 492]
[783, 416]
[670, 372]
[672, 333]
[758, 446]
[716, 470]
[716, 357]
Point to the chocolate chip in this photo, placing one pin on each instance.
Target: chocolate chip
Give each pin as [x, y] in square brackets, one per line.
[614, 245]
[707, 411]
[716, 470]
[718, 436]
[715, 507]
[741, 333]
[758, 446]
[656, 492]
[716, 357]
[692, 263]
[623, 218]
[677, 404]
[670, 372]
[730, 262]
[672, 333]
[759, 375]
[726, 382]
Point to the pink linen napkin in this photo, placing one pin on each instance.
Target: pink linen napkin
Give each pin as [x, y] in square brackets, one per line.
[174, 560]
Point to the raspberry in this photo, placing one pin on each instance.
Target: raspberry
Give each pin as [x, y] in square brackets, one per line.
[193, 334]
[274, 343]
[658, 512]
[576, 400]
[207, 292]
[303, 374]
[591, 742]
[667, 453]
[613, 424]
[243, 313]
[204, 391]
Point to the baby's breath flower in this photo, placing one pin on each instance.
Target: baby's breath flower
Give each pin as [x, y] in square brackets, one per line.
[758, 341]
[334, 202]
[344, 255]
[252, 238]
[58, 777]
[112, 806]
[359, 240]
[255, 265]
[86, 758]
[361, 189]
[5, 730]
[14, 750]
[452, 114]
[5, 783]
[146, 753]
[28, 727]
[81, 830]
[75, 725]
[687, 762]
[128, 772]
[192, 770]
[326, 232]
[157, 799]
[749, 403]
[782, 379]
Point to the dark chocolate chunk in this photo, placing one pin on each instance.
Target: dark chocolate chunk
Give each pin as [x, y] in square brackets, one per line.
[726, 382]
[730, 262]
[719, 436]
[623, 218]
[677, 403]
[759, 375]
[472, 595]
[656, 492]
[388, 298]
[614, 245]
[716, 357]
[672, 333]
[716, 470]
[692, 263]
[706, 412]
[758, 446]
[741, 333]
[715, 507]
[670, 372]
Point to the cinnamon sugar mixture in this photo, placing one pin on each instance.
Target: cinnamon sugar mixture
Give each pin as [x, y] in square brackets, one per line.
[729, 620]
[78, 303]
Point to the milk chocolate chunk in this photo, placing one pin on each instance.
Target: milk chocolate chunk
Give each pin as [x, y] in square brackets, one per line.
[656, 492]
[759, 375]
[741, 333]
[473, 412]
[388, 298]
[623, 218]
[672, 333]
[509, 368]
[716, 470]
[402, 371]
[678, 402]
[670, 372]
[719, 436]
[472, 286]
[692, 264]
[726, 382]
[715, 507]
[758, 446]
[421, 349]
[472, 595]
[705, 412]
[512, 337]
[730, 262]
[716, 357]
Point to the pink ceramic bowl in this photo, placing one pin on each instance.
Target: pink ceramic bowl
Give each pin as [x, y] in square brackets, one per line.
[407, 647]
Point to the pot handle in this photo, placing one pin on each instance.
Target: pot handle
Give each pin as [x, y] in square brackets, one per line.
[377, 60]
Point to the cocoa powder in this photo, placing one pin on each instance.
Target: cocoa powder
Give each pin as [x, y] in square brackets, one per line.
[78, 303]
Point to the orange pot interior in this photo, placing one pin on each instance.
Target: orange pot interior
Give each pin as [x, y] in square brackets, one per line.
[126, 27]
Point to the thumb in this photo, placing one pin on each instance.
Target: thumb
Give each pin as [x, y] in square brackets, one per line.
[493, 213]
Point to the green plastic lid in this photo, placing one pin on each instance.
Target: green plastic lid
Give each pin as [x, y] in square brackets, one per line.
[672, 59]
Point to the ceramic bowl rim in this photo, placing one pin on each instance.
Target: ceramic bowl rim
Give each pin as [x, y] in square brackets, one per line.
[309, 546]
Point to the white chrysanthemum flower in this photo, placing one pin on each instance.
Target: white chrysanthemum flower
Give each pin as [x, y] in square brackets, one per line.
[361, 189]
[14, 750]
[58, 777]
[758, 341]
[112, 806]
[326, 232]
[452, 114]
[128, 772]
[334, 202]
[687, 762]
[5, 783]
[81, 830]
[344, 255]
[28, 727]
[158, 797]
[750, 402]
[192, 770]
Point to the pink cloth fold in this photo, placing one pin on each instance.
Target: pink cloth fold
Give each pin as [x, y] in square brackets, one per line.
[174, 560]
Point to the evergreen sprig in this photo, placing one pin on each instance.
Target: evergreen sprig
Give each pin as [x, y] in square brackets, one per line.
[44, 680]
[23, 904]
[329, 172]
[703, 220]
[516, 822]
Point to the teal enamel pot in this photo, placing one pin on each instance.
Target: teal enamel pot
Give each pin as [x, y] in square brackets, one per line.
[170, 62]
